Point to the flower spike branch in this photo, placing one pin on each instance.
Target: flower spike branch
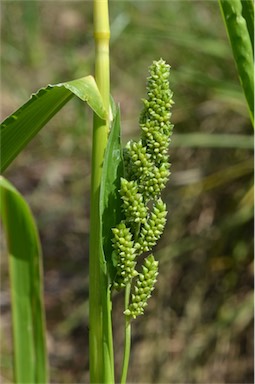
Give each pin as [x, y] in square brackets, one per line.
[146, 173]
[143, 288]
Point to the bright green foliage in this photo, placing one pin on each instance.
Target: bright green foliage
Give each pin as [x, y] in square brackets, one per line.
[23, 243]
[146, 173]
[143, 287]
[248, 14]
[22, 125]
[110, 200]
[239, 32]
[28, 319]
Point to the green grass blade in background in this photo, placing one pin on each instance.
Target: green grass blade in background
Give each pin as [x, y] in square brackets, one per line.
[241, 46]
[28, 321]
[20, 127]
[208, 140]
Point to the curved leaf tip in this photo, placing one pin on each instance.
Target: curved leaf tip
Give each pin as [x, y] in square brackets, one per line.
[18, 129]
[86, 89]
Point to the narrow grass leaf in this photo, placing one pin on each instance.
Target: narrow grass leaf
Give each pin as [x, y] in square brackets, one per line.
[205, 140]
[248, 14]
[109, 216]
[110, 203]
[20, 127]
[28, 321]
[241, 46]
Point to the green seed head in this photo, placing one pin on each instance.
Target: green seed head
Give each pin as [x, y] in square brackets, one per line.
[135, 210]
[144, 286]
[153, 228]
[146, 173]
[125, 252]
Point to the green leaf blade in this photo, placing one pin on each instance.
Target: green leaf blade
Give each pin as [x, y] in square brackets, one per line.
[208, 140]
[109, 208]
[20, 127]
[28, 319]
[110, 202]
[241, 46]
[86, 89]
[248, 14]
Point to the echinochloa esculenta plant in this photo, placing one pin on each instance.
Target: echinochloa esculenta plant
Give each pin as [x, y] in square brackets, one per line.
[146, 172]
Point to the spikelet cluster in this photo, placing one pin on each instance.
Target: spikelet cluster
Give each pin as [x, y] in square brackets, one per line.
[133, 206]
[153, 228]
[155, 117]
[147, 170]
[144, 286]
[124, 248]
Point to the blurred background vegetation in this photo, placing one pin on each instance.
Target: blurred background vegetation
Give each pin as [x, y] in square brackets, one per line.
[198, 327]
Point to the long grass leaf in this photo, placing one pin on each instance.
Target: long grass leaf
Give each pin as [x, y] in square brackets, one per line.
[30, 361]
[241, 46]
[110, 203]
[20, 127]
[248, 14]
[109, 217]
[206, 140]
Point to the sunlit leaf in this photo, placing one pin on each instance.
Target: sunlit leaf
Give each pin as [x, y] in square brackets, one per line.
[30, 361]
[20, 127]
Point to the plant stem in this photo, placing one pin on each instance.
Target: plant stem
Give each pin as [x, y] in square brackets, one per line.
[127, 342]
[101, 349]
[127, 338]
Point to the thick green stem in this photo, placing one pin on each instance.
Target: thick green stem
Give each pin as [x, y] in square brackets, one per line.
[127, 341]
[101, 350]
